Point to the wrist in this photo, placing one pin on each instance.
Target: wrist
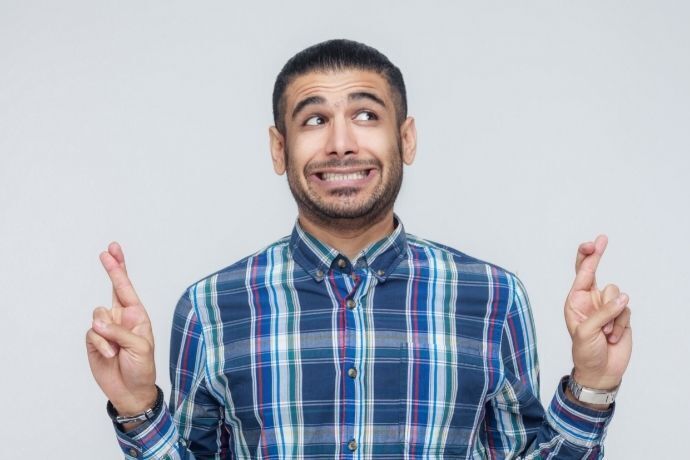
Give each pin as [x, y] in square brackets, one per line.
[597, 382]
[129, 422]
[136, 403]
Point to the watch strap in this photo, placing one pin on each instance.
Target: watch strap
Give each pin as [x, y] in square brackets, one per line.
[591, 395]
[148, 414]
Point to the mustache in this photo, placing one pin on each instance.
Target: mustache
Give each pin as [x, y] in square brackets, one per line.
[340, 163]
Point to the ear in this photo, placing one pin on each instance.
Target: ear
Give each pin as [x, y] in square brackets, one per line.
[277, 150]
[408, 135]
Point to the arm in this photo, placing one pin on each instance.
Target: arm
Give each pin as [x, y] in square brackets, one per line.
[192, 427]
[599, 325]
[517, 426]
[120, 351]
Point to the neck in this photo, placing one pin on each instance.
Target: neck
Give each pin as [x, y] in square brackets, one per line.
[347, 239]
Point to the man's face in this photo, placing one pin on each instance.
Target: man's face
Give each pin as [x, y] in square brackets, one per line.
[342, 148]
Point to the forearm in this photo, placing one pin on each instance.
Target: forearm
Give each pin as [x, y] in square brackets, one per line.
[192, 422]
[155, 439]
[566, 428]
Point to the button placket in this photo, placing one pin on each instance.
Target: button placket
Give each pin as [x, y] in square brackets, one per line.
[354, 299]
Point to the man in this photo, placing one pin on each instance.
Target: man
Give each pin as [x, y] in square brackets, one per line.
[352, 338]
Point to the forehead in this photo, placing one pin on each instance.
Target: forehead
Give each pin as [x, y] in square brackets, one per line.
[336, 85]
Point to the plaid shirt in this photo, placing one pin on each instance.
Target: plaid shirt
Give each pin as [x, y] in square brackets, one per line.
[414, 351]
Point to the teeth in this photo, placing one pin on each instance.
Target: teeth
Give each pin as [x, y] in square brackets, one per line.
[350, 176]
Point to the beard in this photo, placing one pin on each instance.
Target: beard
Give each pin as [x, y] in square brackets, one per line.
[345, 208]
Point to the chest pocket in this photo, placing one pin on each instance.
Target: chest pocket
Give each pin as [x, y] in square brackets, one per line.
[442, 393]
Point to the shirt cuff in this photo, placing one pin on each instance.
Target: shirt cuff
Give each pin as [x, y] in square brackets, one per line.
[579, 425]
[151, 439]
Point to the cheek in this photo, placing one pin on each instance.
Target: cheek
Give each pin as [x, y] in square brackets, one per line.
[385, 149]
[379, 140]
[297, 162]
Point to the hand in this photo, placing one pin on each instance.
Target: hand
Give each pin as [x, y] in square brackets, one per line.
[598, 323]
[120, 343]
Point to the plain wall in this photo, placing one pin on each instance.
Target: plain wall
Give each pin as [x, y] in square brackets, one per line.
[541, 124]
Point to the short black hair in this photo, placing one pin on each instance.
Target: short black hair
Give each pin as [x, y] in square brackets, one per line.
[335, 55]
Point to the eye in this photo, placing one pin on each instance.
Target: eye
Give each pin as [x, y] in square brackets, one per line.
[366, 115]
[316, 120]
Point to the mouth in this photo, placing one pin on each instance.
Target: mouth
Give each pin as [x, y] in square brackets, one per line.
[337, 178]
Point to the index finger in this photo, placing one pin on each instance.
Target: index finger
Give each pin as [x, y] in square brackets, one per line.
[122, 286]
[585, 278]
[115, 250]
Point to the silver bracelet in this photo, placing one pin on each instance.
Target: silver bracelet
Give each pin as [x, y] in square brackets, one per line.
[148, 414]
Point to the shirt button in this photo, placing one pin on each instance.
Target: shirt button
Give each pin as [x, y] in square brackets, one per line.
[133, 452]
[342, 263]
[352, 373]
[319, 274]
[380, 273]
[352, 445]
[351, 304]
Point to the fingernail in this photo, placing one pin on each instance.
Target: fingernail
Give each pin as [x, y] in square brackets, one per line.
[109, 352]
[99, 324]
[622, 299]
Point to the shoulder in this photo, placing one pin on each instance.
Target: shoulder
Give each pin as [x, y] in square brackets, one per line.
[463, 262]
[234, 277]
[477, 277]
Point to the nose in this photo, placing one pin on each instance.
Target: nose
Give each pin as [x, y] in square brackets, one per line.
[341, 139]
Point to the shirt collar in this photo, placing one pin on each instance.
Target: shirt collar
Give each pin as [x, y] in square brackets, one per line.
[317, 258]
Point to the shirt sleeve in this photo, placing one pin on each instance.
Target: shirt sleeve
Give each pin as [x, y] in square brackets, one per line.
[192, 427]
[517, 425]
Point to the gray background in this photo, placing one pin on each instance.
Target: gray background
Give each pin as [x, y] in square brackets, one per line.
[540, 125]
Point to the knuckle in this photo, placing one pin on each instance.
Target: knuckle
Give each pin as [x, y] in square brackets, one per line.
[100, 312]
[611, 303]
[611, 287]
[610, 292]
[580, 334]
[146, 347]
[91, 336]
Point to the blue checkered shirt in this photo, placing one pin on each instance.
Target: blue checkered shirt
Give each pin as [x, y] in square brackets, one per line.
[412, 350]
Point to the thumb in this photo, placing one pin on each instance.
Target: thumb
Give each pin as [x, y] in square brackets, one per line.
[121, 336]
[593, 325]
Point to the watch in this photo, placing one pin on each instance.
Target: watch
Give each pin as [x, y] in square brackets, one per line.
[591, 395]
[148, 414]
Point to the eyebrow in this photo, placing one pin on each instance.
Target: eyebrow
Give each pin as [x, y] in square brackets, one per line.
[366, 95]
[312, 100]
[315, 100]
